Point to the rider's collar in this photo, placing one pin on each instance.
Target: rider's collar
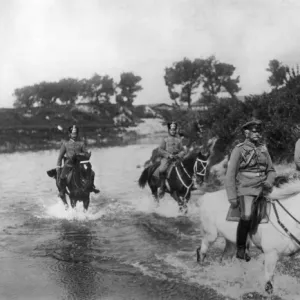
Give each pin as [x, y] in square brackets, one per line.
[248, 143]
[71, 140]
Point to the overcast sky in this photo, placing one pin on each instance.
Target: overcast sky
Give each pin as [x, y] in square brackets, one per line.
[46, 40]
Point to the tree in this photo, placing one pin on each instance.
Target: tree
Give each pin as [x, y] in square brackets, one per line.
[99, 88]
[68, 90]
[25, 97]
[217, 77]
[278, 73]
[183, 76]
[128, 86]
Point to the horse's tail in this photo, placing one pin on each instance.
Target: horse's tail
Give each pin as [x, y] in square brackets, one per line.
[146, 174]
[144, 177]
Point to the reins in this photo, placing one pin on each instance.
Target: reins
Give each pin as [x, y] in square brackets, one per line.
[188, 186]
[281, 224]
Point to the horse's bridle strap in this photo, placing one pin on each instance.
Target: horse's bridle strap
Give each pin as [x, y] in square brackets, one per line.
[282, 226]
[204, 165]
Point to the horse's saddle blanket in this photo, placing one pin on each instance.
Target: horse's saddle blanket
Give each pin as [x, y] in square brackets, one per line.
[234, 214]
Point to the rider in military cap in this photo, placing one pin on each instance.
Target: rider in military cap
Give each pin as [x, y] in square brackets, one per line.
[250, 171]
[170, 148]
[69, 149]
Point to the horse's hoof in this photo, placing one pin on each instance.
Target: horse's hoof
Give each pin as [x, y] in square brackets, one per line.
[269, 288]
[66, 206]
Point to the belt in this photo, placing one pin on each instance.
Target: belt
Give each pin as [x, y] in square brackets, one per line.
[253, 174]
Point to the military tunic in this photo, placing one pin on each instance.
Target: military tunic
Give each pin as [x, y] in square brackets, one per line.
[69, 149]
[248, 168]
[170, 145]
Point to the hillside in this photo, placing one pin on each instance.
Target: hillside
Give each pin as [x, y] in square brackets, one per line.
[45, 127]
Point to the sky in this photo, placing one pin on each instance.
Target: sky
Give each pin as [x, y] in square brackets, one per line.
[47, 40]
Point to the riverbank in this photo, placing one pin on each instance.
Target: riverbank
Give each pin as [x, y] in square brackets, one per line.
[22, 141]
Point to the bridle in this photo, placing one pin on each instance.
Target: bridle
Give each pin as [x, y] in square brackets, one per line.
[203, 163]
[202, 173]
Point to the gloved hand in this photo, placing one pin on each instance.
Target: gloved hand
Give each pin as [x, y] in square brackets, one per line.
[171, 156]
[234, 202]
[266, 187]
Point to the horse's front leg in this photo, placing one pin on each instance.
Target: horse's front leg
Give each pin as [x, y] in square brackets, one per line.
[64, 200]
[271, 259]
[154, 192]
[207, 240]
[86, 204]
[181, 203]
[72, 200]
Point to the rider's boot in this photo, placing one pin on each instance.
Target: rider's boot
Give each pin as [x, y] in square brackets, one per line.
[162, 189]
[93, 189]
[242, 233]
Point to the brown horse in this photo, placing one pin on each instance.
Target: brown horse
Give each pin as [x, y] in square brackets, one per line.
[180, 179]
[79, 181]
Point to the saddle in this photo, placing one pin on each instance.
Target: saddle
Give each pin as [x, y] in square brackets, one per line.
[261, 206]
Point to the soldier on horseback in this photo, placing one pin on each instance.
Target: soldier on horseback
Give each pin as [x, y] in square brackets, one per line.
[69, 149]
[250, 171]
[170, 148]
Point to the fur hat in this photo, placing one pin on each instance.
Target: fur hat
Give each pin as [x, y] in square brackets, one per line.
[73, 129]
[172, 125]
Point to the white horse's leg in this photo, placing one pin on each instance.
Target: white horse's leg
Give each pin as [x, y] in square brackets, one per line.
[270, 264]
[207, 240]
[229, 251]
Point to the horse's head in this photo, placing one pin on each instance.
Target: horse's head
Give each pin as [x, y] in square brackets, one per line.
[200, 167]
[80, 158]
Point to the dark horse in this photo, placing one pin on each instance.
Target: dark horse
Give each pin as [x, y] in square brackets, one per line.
[180, 178]
[79, 181]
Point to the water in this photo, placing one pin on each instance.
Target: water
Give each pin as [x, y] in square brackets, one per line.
[123, 248]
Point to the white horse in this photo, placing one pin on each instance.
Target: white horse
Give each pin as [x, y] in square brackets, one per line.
[279, 237]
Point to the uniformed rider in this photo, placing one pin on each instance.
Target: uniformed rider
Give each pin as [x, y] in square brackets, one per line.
[171, 148]
[250, 171]
[69, 149]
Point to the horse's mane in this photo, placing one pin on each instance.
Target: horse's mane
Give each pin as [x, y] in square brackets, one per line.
[286, 190]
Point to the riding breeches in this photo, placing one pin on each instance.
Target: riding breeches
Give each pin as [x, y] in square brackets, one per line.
[164, 164]
[245, 207]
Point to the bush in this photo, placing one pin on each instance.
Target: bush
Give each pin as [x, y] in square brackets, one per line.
[279, 110]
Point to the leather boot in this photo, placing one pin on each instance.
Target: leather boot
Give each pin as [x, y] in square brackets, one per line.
[162, 189]
[95, 190]
[242, 233]
[92, 188]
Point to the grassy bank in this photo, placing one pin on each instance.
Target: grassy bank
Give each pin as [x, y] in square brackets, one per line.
[45, 128]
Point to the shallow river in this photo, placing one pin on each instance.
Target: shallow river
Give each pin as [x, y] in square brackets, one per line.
[123, 248]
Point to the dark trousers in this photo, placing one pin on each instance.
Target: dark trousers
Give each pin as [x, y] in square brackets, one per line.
[243, 228]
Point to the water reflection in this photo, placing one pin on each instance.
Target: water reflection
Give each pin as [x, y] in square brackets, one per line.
[74, 270]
